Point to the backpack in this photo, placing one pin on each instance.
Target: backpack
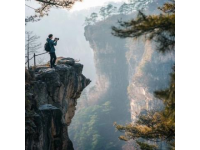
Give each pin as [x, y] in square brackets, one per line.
[47, 47]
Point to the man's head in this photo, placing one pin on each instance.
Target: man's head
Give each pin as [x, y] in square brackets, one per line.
[51, 36]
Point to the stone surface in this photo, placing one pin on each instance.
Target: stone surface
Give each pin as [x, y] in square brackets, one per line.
[51, 99]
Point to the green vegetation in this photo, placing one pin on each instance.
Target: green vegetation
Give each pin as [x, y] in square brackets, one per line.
[125, 8]
[160, 28]
[155, 125]
[85, 127]
[159, 125]
[144, 146]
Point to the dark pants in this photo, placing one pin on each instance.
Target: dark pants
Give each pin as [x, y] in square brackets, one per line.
[52, 59]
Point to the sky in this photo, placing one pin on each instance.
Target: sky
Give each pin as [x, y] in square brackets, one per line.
[85, 4]
[68, 26]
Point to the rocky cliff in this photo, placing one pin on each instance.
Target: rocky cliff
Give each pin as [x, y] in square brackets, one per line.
[51, 98]
[111, 67]
[128, 72]
[107, 101]
[148, 71]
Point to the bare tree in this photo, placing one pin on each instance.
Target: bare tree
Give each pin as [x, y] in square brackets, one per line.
[31, 45]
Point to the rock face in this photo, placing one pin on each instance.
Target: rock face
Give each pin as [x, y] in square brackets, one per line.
[51, 98]
[149, 71]
[128, 72]
[109, 92]
[111, 69]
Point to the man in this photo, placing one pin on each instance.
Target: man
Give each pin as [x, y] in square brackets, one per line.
[52, 53]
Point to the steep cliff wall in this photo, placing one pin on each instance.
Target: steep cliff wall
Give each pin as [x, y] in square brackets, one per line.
[107, 101]
[128, 72]
[148, 71]
[51, 98]
[111, 67]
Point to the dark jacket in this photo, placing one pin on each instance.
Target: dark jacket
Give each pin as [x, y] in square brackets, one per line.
[52, 44]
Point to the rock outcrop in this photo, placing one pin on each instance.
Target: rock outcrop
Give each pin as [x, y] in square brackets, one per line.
[128, 72]
[51, 98]
[109, 92]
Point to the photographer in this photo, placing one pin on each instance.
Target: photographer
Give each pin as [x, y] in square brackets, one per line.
[52, 53]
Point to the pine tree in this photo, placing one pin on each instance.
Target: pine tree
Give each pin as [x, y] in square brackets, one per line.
[102, 12]
[94, 17]
[124, 9]
[139, 4]
[153, 125]
[110, 9]
[160, 28]
[88, 21]
[107, 11]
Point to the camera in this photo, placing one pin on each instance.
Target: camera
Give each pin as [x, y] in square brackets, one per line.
[57, 39]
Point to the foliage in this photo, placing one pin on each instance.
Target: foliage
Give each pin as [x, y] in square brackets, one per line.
[94, 17]
[155, 125]
[88, 21]
[91, 20]
[160, 125]
[161, 27]
[139, 4]
[86, 124]
[46, 5]
[107, 11]
[110, 9]
[34, 18]
[125, 8]
[144, 146]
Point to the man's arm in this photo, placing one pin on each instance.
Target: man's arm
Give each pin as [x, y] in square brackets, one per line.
[53, 43]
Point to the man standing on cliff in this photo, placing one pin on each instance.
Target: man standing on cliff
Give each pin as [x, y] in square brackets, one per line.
[52, 53]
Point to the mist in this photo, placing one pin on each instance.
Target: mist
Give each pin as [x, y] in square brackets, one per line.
[69, 27]
[124, 72]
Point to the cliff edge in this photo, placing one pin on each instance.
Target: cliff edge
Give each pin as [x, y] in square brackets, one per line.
[51, 98]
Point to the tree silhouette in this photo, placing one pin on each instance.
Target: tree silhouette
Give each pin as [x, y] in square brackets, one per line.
[45, 7]
[110, 9]
[107, 11]
[94, 17]
[47, 4]
[88, 21]
[31, 45]
[124, 9]
[102, 12]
